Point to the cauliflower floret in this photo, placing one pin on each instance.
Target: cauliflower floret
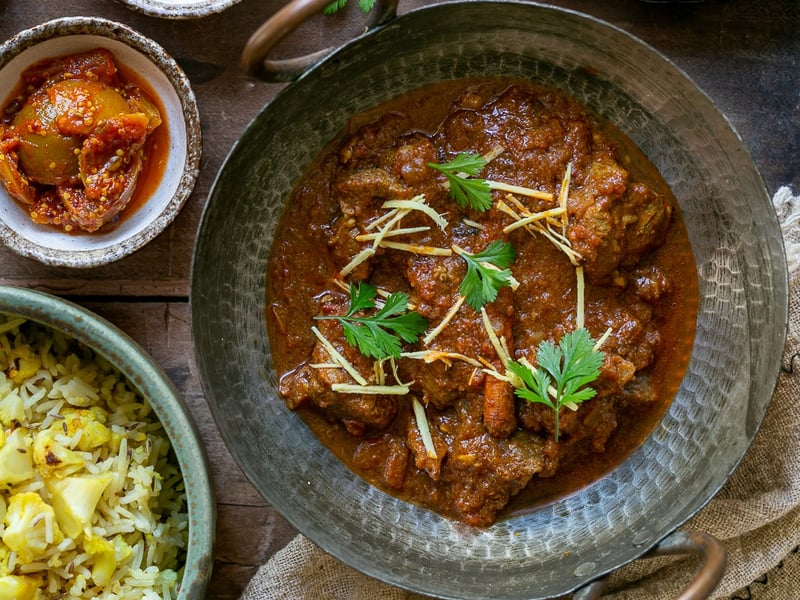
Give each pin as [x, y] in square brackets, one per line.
[107, 555]
[23, 364]
[102, 551]
[12, 410]
[75, 498]
[16, 464]
[18, 587]
[53, 459]
[30, 526]
[90, 422]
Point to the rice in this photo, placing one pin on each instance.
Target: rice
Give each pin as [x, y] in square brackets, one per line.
[92, 503]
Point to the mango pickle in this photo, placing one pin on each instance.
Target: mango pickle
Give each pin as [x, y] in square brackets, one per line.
[72, 141]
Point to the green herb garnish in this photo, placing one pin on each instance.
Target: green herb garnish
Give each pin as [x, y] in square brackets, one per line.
[379, 335]
[562, 374]
[487, 272]
[337, 5]
[465, 188]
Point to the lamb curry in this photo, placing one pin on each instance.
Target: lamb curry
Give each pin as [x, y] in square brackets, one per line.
[439, 255]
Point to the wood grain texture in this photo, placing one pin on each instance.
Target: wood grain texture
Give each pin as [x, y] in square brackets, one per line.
[743, 54]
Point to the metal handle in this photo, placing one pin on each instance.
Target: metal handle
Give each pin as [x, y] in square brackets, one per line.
[707, 577]
[282, 23]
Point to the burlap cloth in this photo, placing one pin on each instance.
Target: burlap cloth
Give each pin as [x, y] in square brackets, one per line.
[756, 514]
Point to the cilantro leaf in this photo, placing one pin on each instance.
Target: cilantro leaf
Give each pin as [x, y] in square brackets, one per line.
[468, 193]
[567, 369]
[487, 272]
[535, 383]
[379, 335]
[334, 6]
[362, 297]
[337, 5]
[469, 163]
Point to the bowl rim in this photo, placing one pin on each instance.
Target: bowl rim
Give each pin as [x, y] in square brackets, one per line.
[149, 379]
[184, 9]
[79, 26]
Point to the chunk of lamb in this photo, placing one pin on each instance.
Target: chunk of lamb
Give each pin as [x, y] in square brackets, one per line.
[594, 421]
[633, 338]
[307, 384]
[433, 282]
[484, 473]
[614, 222]
[387, 455]
[394, 173]
[650, 283]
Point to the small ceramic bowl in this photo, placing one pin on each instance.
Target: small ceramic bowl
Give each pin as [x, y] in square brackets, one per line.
[132, 362]
[179, 9]
[165, 79]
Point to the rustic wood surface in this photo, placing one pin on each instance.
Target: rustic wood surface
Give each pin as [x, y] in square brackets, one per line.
[745, 54]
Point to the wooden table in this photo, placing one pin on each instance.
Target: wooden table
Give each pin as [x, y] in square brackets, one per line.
[745, 54]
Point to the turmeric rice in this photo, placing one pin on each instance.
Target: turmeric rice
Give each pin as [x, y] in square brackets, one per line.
[92, 502]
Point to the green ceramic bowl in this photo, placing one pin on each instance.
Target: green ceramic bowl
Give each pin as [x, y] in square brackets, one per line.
[154, 385]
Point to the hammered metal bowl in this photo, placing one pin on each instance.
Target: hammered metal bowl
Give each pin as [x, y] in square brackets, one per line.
[741, 323]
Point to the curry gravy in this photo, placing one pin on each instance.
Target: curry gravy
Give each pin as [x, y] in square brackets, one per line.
[496, 454]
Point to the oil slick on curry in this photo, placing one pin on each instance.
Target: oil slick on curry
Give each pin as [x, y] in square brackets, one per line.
[566, 256]
[81, 142]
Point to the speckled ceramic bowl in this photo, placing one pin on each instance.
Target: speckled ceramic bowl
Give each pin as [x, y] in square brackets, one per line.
[741, 324]
[153, 384]
[166, 80]
[179, 9]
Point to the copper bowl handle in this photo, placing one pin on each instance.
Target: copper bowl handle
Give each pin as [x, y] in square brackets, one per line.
[707, 577]
[282, 23]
